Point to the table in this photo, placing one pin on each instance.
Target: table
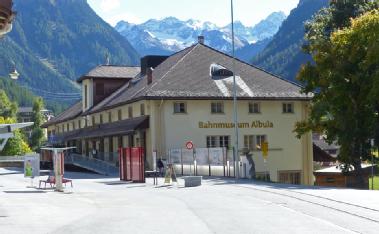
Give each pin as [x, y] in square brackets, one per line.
[153, 174]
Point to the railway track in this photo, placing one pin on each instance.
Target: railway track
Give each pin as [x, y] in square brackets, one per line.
[359, 211]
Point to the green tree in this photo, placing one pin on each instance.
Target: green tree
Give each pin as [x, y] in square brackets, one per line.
[344, 78]
[15, 145]
[8, 109]
[37, 135]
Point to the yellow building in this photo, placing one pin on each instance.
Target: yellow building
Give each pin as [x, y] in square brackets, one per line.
[169, 101]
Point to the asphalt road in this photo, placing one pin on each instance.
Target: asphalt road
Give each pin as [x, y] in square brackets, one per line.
[105, 205]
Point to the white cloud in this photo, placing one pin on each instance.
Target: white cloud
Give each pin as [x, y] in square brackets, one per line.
[109, 5]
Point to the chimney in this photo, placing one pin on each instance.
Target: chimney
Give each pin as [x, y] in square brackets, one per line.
[151, 61]
[149, 74]
[200, 39]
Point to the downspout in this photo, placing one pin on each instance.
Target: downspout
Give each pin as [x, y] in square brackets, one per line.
[160, 144]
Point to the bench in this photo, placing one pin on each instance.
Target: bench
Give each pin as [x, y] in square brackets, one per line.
[51, 180]
[192, 181]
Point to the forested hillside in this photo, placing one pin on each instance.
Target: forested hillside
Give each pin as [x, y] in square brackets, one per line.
[53, 42]
[283, 55]
[23, 97]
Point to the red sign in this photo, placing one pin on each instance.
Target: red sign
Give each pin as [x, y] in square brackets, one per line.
[189, 145]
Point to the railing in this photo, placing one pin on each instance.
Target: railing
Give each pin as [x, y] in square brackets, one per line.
[92, 164]
[111, 158]
[11, 158]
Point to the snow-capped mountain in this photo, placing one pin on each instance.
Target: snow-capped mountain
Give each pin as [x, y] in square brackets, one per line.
[171, 34]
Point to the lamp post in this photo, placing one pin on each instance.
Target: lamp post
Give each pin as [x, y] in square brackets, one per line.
[235, 118]
[218, 72]
[372, 143]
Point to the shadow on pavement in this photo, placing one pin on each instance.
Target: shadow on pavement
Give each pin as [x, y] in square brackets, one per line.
[11, 170]
[37, 191]
[80, 175]
[114, 182]
[226, 181]
[137, 186]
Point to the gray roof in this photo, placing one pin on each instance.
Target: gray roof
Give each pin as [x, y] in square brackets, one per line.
[326, 146]
[71, 113]
[186, 75]
[113, 72]
[339, 169]
[29, 109]
[119, 128]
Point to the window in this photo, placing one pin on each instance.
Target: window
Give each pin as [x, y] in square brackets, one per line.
[217, 107]
[254, 142]
[254, 108]
[85, 97]
[101, 118]
[249, 142]
[211, 141]
[142, 109]
[130, 112]
[119, 114]
[109, 117]
[218, 141]
[260, 140]
[93, 121]
[224, 141]
[180, 108]
[290, 177]
[100, 89]
[288, 108]
[79, 124]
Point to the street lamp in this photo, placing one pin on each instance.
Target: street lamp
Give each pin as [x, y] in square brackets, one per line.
[14, 74]
[219, 72]
[235, 151]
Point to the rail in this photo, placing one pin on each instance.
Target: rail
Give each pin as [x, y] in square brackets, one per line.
[11, 158]
[92, 164]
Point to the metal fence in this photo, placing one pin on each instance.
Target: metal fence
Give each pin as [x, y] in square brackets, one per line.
[202, 161]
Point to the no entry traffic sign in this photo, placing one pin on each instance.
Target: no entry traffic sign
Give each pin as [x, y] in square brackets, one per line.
[189, 145]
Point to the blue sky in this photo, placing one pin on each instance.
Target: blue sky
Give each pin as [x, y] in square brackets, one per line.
[249, 12]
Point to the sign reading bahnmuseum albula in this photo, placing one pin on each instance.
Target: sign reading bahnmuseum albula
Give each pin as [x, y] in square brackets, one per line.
[253, 124]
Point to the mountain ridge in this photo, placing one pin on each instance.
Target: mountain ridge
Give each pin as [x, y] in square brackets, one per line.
[170, 34]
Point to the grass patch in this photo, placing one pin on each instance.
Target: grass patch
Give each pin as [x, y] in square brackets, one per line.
[376, 182]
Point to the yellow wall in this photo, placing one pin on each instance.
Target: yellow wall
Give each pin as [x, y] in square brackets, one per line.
[287, 153]
[168, 130]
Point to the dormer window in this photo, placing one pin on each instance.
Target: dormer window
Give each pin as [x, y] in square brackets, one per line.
[85, 96]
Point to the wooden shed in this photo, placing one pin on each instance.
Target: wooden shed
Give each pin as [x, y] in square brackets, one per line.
[334, 177]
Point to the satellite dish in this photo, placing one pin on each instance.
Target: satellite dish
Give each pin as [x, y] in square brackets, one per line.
[14, 75]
